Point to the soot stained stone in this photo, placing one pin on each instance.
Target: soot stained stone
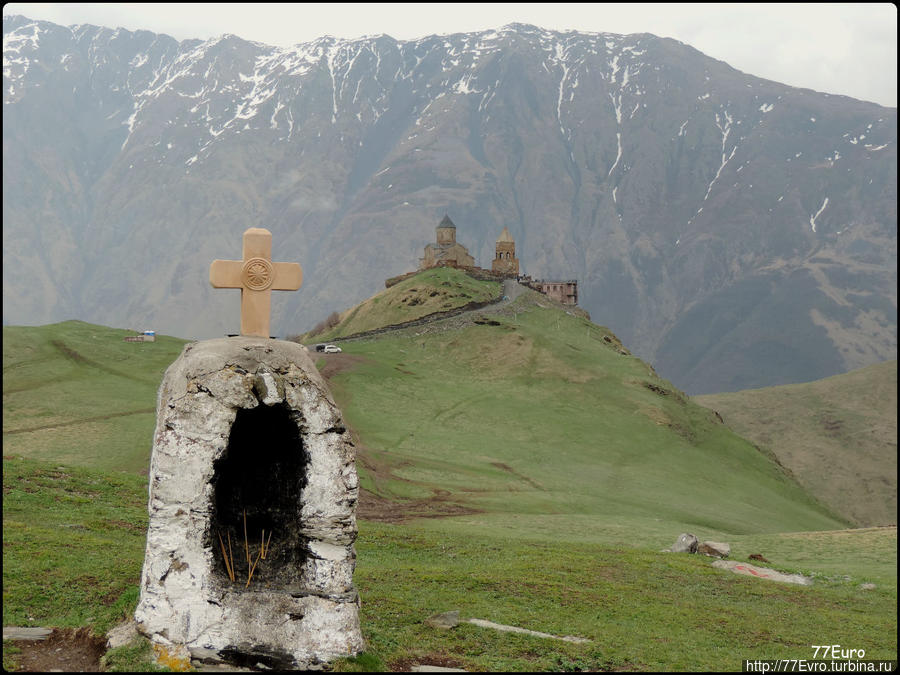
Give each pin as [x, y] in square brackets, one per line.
[258, 480]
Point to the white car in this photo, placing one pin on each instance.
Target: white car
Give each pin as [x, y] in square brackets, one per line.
[332, 349]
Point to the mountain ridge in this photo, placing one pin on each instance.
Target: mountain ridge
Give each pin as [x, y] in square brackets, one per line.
[610, 158]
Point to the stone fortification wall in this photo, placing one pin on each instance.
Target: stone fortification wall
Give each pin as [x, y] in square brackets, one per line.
[475, 272]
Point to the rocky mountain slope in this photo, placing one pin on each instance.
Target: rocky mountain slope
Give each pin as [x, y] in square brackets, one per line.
[734, 231]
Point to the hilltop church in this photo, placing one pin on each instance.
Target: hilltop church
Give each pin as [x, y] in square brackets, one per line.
[446, 251]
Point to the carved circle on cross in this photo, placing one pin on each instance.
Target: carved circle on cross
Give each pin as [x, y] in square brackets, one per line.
[257, 274]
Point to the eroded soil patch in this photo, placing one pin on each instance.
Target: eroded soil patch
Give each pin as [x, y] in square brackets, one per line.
[379, 509]
[338, 363]
[405, 665]
[65, 649]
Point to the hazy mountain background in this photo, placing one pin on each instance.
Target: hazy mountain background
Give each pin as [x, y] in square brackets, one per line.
[733, 231]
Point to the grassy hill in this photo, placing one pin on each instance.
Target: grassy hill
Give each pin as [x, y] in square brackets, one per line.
[76, 393]
[548, 466]
[439, 289]
[837, 435]
[542, 423]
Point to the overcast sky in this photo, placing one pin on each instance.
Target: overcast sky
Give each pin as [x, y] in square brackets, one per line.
[838, 48]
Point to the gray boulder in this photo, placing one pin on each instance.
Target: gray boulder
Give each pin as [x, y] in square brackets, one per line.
[715, 549]
[686, 543]
[122, 634]
[446, 620]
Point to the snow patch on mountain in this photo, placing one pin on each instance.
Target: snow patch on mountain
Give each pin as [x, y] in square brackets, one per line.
[812, 218]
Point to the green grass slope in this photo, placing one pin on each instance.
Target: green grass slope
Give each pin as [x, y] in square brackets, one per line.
[561, 463]
[543, 425]
[837, 435]
[74, 545]
[77, 393]
[439, 289]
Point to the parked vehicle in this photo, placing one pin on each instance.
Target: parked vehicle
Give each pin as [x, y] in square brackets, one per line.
[332, 349]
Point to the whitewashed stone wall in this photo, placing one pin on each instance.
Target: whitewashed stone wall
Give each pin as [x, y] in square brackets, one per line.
[292, 618]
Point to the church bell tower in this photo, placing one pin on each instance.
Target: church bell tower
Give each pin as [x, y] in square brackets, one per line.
[505, 261]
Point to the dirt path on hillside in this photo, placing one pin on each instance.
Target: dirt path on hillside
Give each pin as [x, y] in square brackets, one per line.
[82, 360]
[513, 472]
[84, 420]
[441, 504]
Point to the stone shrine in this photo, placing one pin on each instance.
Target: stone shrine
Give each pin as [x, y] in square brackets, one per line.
[253, 490]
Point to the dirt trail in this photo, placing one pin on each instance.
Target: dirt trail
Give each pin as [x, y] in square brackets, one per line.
[82, 360]
[510, 470]
[84, 420]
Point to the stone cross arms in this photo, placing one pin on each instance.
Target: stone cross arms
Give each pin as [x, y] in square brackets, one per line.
[256, 275]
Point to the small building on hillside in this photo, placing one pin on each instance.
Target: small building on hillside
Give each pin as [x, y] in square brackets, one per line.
[446, 251]
[505, 261]
[146, 336]
[565, 292]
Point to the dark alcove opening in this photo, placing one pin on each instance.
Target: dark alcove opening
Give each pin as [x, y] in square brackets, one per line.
[258, 480]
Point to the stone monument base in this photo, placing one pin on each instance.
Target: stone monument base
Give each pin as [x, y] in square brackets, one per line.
[253, 491]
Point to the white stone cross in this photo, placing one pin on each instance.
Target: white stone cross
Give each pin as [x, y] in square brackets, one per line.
[256, 275]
